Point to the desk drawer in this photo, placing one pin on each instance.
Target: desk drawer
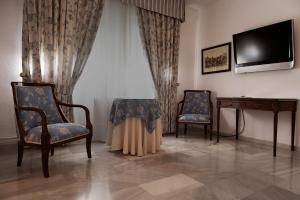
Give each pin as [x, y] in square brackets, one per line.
[247, 105]
[258, 105]
[231, 104]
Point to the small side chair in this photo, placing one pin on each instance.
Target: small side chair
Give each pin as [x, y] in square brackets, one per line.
[41, 122]
[195, 108]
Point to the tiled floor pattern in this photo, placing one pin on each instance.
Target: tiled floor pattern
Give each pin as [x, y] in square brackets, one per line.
[189, 167]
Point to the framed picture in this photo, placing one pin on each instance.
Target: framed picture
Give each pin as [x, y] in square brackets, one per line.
[216, 59]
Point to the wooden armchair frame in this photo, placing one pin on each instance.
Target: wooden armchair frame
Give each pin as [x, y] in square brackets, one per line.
[180, 109]
[45, 145]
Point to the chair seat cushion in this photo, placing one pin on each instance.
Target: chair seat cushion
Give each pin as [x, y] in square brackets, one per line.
[58, 132]
[194, 118]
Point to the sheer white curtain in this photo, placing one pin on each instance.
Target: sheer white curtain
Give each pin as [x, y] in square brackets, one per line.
[117, 66]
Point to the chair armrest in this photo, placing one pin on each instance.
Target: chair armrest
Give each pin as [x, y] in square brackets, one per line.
[86, 110]
[42, 115]
[178, 106]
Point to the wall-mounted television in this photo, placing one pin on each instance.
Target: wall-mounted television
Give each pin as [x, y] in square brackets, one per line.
[266, 48]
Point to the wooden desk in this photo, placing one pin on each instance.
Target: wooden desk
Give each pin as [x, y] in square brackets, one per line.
[274, 105]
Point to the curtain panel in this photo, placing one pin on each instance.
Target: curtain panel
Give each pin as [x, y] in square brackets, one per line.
[160, 35]
[171, 8]
[57, 37]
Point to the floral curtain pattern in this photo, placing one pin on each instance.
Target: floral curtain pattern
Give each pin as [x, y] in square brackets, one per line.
[160, 35]
[57, 38]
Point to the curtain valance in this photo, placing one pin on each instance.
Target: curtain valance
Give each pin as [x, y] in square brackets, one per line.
[171, 8]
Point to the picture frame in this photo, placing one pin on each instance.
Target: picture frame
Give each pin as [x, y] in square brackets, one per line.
[216, 59]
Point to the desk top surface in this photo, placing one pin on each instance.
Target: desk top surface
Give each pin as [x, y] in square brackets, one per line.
[255, 99]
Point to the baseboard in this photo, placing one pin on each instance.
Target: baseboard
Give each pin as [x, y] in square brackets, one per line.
[8, 140]
[244, 138]
[265, 142]
[241, 137]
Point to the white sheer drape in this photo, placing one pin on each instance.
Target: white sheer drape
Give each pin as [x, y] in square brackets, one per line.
[117, 66]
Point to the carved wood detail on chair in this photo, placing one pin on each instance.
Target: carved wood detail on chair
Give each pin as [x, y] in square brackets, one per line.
[41, 122]
[195, 108]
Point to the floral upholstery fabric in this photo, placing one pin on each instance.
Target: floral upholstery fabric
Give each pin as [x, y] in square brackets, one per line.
[195, 118]
[196, 103]
[37, 97]
[58, 132]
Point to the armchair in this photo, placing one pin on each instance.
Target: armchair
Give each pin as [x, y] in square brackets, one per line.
[195, 108]
[41, 122]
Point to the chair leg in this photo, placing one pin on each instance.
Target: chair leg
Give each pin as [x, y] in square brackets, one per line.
[45, 159]
[185, 128]
[211, 131]
[177, 124]
[205, 130]
[52, 151]
[88, 147]
[20, 154]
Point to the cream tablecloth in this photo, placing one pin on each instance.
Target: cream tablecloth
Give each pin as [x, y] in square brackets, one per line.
[133, 138]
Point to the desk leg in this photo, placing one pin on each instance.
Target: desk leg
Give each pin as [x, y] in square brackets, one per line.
[293, 130]
[218, 123]
[275, 133]
[237, 116]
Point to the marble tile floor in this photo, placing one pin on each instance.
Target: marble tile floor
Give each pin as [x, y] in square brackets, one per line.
[189, 167]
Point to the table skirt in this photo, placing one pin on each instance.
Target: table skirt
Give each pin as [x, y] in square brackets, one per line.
[132, 137]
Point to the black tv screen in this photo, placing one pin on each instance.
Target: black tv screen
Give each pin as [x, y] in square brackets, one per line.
[265, 45]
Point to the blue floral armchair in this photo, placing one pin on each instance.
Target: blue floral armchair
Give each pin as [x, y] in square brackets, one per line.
[195, 108]
[41, 121]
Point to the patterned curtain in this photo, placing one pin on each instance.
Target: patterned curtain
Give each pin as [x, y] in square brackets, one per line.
[171, 8]
[160, 36]
[57, 38]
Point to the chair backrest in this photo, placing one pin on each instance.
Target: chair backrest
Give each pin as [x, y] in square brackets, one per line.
[196, 102]
[37, 96]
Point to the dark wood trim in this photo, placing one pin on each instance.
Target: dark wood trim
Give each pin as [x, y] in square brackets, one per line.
[20, 154]
[45, 145]
[229, 58]
[275, 125]
[86, 110]
[267, 104]
[237, 116]
[218, 120]
[293, 130]
[52, 150]
[179, 112]
[255, 99]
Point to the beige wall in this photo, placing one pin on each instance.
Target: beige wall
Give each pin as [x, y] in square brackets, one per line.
[187, 52]
[226, 17]
[10, 61]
